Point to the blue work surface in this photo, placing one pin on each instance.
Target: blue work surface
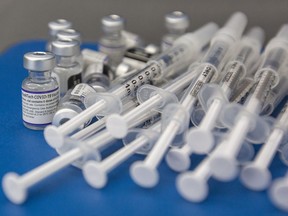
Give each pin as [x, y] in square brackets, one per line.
[66, 192]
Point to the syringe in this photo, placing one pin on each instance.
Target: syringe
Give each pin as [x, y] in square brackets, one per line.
[145, 173]
[256, 175]
[246, 121]
[150, 98]
[193, 185]
[213, 97]
[179, 56]
[95, 173]
[77, 152]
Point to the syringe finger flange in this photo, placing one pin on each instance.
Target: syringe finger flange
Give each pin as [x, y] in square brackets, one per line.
[135, 133]
[210, 92]
[89, 153]
[259, 128]
[113, 104]
[175, 112]
[145, 92]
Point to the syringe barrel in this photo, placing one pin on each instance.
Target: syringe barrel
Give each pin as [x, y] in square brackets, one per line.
[276, 95]
[282, 119]
[275, 54]
[251, 45]
[185, 49]
[232, 29]
[224, 40]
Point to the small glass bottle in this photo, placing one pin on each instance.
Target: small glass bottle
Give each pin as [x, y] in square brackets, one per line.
[68, 71]
[72, 34]
[176, 23]
[54, 28]
[96, 77]
[113, 43]
[73, 102]
[40, 92]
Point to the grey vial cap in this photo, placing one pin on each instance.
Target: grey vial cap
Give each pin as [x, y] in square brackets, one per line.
[177, 20]
[39, 61]
[69, 34]
[65, 47]
[58, 25]
[112, 23]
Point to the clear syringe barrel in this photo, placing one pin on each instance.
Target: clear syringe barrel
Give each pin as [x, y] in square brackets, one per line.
[275, 56]
[282, 119]
[190, 43]
[184, 50]
[216, 56]
[246, 58]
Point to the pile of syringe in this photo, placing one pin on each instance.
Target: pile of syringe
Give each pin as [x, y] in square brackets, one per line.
[208, 92]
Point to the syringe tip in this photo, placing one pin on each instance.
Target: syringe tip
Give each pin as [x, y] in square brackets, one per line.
[256, 33]
[235, 25]
[283, 32]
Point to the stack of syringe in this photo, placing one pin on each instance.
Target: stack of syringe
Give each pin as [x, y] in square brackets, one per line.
[139, 104]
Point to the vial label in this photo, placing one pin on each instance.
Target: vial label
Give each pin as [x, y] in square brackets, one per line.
[81, 91]
[146, 76]
[38, 108]
[74, 80]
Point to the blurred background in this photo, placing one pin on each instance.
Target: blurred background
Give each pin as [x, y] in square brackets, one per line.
[27, 19]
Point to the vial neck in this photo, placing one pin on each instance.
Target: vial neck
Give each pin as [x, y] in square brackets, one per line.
[113, 35]
[178, 32]
[40, 76]
[66, 61]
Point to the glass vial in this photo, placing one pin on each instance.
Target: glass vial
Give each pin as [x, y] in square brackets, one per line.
[72, 34]
[40, 92]
[176, 23]
[113, 43]
[95, 76]
[72, 104]
[54, 28]
[68, 70]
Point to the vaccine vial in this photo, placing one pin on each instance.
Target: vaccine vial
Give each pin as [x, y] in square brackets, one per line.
[68, 70]
[95, 76]
[72, 34]
[176, 23]
[73, 101]
[132, 40]
[72, 104]
[54, 28]
[134, 59]
[113, 42]
[92, 56]
[40, 91]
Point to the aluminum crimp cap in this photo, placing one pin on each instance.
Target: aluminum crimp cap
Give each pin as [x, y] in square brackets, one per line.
[177, 20]
[65, 47]
[69, 34]
[112, 23]
[39, 61]
[58, 25]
